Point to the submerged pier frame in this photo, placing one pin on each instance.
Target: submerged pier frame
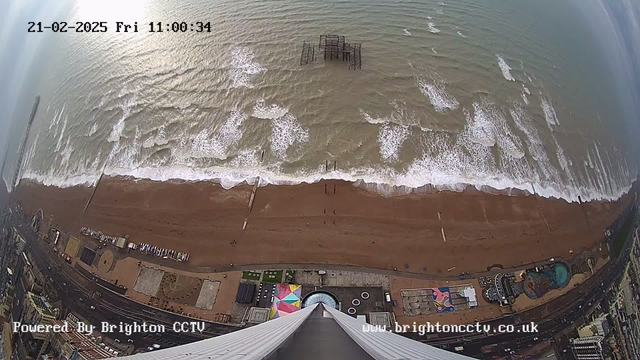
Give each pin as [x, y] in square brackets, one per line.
[334, 47]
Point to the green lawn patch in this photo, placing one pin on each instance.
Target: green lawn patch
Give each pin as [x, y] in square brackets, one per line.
[272, 276]
[623, 234]
[251, 275]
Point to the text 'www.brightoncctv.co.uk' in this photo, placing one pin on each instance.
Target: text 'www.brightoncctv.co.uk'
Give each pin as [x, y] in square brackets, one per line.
[429, 328]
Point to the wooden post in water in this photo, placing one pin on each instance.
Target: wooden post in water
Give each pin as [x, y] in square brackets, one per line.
[253, 193]
[93, 193]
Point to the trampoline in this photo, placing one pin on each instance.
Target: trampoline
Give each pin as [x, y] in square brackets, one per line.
[535, 285]
[562, 275]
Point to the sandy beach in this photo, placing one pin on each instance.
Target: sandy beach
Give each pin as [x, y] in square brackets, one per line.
[306, 224]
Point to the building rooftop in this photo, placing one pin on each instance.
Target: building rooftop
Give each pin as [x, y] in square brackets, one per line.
[84, 345]
[41, 304]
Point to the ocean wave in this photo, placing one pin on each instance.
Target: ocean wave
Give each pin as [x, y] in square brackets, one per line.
[93, 130]
[505, 68]
[438, 96]
[546, 172]
[216, 143]
[433, 28]
[373, 120]
[434, 50]
[524, 98]
[64, 127]
[461, 34]
[486, 155]
[56, 117]
[391, 137]
[406, 32]
[550, 115]
[488, 127]
[262, 111]
[449, 170]
[286, 131]
[159, 140]
[65, 154]
[244, 67]
[118, 128]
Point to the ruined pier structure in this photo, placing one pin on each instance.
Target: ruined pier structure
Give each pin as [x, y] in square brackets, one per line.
[333, 47]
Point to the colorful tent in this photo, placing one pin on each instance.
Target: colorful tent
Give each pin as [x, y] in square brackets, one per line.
[286, 299]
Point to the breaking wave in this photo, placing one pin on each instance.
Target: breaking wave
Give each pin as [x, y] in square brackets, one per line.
[549, 112]
[438, 96]
[433, 28]
[505, 68]
[244, 67]
[391, 137]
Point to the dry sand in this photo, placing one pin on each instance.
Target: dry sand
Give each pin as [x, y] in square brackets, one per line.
[297, 224]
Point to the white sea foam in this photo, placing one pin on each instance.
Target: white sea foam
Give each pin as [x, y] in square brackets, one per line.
[562, 159]
[479, 129]
[262, 111]
[159, 139]
[546, 172]
[437, 94]
[449, 169]
[29, 156]
[56, 117]
[286, 131]
[217, 142]
[488, 127]
[285, 127]
[66, 154]
[391, 137]
[433, 28]
[486, 154]
[246, 158]
[62, 180]
[505, 68]
[93, 130]
[244, 67]
[118, 128]
[589, 160]
[406, 32]
[549, 112]
[603, 169]
[373, 120]
[64, 127]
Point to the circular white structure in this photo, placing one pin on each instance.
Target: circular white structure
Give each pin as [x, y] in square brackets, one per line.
[364, 295]
[355, 302]
[351, 311]
[320, 297]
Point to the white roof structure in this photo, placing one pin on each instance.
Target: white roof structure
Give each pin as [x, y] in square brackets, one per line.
[470, 294]
[263, 340]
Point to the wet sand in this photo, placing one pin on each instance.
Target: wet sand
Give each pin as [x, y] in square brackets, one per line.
[297, 224]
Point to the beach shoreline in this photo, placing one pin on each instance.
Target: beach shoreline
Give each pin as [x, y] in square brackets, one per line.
[331, 222]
